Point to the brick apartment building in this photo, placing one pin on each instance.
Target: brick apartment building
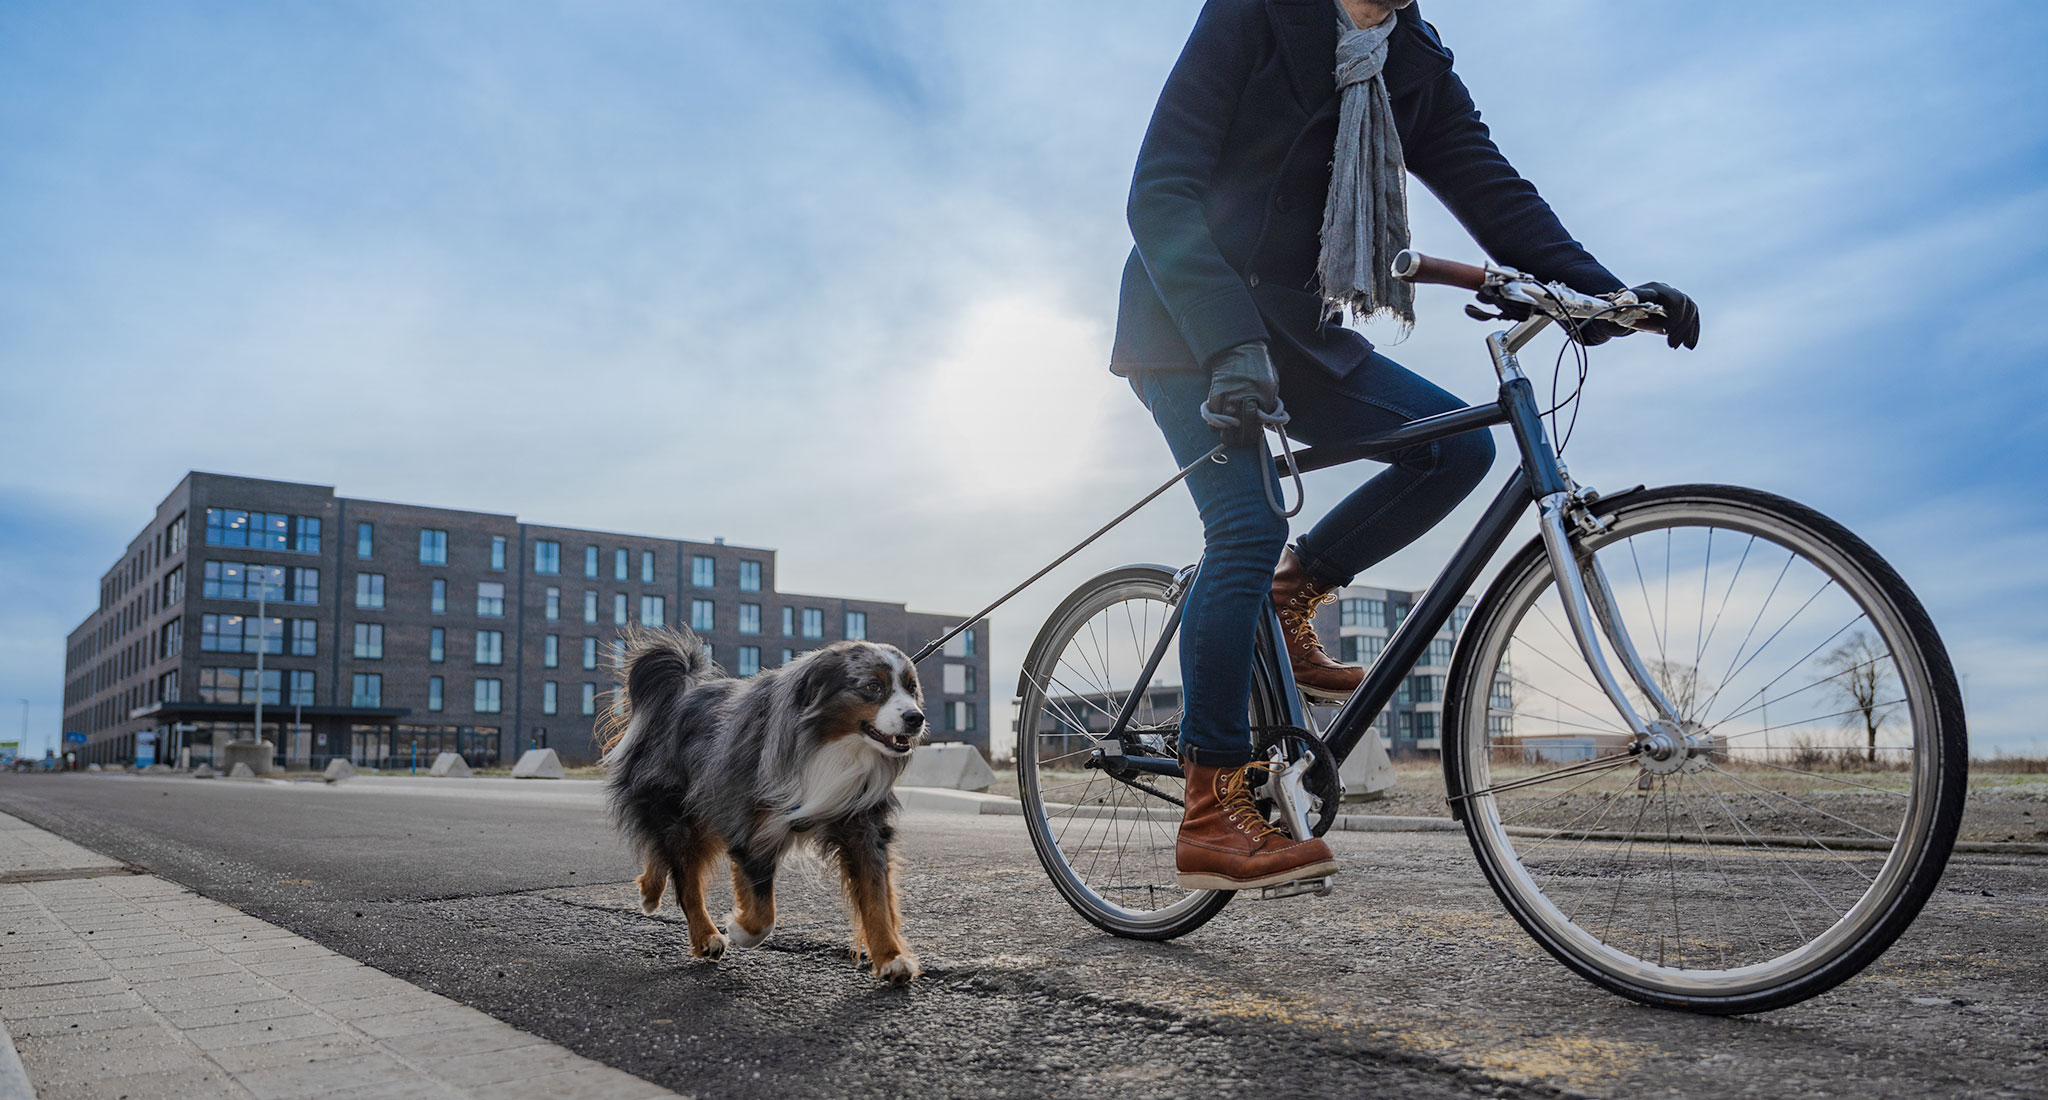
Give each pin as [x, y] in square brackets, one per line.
[392, 632]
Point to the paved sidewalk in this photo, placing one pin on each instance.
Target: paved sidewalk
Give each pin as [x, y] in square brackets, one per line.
[123, 985]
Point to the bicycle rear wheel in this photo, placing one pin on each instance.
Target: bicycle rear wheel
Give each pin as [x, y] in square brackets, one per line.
[1814, 807]
[1107, 842]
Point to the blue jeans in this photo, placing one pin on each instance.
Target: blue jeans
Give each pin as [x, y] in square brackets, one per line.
[1243, 538]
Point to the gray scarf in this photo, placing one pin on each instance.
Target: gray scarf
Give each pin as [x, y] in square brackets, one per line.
[1366, 221]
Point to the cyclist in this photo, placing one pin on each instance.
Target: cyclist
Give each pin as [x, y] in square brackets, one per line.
[1252, 237]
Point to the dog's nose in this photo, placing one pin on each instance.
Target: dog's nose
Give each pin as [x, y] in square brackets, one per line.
[912, 720]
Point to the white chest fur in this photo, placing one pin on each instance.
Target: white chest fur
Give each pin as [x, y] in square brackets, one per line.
[842, 777]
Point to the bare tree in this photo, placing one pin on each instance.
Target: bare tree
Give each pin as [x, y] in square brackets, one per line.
[1860, 674]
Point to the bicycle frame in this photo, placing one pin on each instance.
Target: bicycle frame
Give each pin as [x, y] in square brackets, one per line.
[1541, 480]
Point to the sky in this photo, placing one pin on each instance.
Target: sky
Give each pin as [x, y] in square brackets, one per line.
[840, 279]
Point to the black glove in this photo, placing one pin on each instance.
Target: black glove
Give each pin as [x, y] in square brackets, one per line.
[1681, 318]
[1244, 394]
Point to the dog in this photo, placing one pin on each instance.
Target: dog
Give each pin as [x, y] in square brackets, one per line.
[702, 763]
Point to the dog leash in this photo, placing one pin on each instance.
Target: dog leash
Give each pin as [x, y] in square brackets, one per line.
[1215, 455]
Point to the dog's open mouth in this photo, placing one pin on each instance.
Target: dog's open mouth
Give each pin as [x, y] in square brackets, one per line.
[894, 743]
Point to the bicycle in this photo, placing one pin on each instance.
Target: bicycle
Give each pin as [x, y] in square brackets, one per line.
[1643, 825]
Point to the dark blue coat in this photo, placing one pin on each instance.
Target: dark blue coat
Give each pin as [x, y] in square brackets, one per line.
[1227, 202]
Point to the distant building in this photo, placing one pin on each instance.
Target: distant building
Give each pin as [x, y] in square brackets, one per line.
[1355, 629]
[392, 631]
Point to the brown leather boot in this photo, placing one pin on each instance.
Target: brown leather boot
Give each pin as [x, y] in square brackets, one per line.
[1225, 844]
[1297, 596]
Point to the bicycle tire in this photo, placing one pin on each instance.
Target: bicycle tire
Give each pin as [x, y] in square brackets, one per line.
[1050, 814]
[1489, 675]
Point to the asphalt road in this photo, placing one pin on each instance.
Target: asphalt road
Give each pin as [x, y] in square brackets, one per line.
[1409, 981]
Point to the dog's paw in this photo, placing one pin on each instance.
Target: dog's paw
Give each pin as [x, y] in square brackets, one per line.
[712, 948]
[737, 934]
[650, 906]
[901, 970]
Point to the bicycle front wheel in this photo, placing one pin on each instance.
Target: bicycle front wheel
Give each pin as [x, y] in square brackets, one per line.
[1107, 841]
[1811, 817]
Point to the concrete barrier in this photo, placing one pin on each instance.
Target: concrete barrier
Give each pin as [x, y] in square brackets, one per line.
[449, 765]
[241, 770]
[538, 764]
[257, 754]
[205, 771]
[94, 768]
[158, 769]
[953, 766]
[338, 770]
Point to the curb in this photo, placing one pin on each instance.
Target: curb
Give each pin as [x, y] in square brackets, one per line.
[14, 1083]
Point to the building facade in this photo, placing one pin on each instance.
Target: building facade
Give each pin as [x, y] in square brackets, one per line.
[388, 633]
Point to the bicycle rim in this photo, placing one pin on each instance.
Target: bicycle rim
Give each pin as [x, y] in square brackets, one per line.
[1819, 810]
[1108, 844]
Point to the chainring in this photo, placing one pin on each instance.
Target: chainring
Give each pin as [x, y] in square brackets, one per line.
[1286, 744]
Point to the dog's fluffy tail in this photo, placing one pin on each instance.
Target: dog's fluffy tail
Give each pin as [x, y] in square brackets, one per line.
[657, 667]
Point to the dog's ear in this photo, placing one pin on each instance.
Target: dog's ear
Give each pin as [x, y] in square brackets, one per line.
[815, 679]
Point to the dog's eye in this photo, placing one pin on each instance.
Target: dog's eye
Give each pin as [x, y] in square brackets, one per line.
[872, 690]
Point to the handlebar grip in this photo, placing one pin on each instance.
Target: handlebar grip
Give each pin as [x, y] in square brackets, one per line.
[1414, 267]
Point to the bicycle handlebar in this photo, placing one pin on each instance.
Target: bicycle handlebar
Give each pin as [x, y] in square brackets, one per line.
[1554, 300]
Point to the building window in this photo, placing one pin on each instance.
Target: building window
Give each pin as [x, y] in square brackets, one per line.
[960, 717]
[433, 547]
[370, 590]
[174, 536]
[856, 626]
[703, 615]
[301, 688]
[814, 622]
[439, 601]
[654, 611]
[1361, 612]
[750, 660]
[547, 557]
[548, 691]
[788, 655]
[1458, 616]
[490, 599]
[490, 647]
[590, 607]
[710, 652]
[750, 618]
[305, 586]
[365, 539]
[262, 530]
[1439, 653]
[646, 567]
[789, 622]
[590, 561]
[1425, 725]
[369, 641]
[305, 638]
[703, 571]
[750, 576]
[174, 586]
[489, 696]
[962, 644]
[435, 692]
[957, 679]
[551, 651]
[554, 605]
[367, 691]
[590, 653]
[306, 534]
[1360, 649]
[590, 698]
[238, 634]
[172, 640]
[1422, 689]
[618, 609]
[1400, 615]
[619, 560]
[437, 645]
[498, 553]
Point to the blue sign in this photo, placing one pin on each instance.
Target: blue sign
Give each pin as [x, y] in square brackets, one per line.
[73, 737]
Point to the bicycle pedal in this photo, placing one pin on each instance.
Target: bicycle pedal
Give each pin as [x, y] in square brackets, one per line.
[1320, 887]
